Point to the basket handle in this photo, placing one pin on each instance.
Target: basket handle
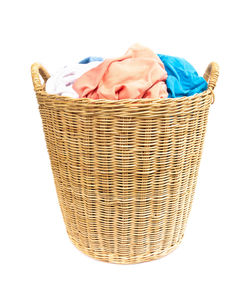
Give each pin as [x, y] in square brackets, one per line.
[37, 70]
[211, 75]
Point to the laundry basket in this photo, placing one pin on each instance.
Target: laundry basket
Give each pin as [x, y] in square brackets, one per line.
[125, 171]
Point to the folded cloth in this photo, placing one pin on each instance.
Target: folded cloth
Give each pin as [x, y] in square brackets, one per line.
[182, 80]
[62, 81]
[138, 74]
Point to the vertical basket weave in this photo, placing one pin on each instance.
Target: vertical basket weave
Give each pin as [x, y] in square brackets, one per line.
[125, 171]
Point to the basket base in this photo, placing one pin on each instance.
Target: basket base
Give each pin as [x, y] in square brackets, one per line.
[124, 260]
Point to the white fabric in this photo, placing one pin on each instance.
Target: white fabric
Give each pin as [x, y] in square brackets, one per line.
[61, 82]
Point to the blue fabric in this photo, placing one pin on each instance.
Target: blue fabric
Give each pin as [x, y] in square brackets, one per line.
[182, 80]
[90, 59]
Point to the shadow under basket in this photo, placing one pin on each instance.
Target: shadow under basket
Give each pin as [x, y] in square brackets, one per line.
[125, 171]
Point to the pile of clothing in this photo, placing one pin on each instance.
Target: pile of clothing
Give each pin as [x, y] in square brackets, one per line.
[139, 73]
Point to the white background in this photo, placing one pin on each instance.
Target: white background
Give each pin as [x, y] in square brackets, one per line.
[34, 246]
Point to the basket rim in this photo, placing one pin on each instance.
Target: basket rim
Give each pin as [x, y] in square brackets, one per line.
[125, 101]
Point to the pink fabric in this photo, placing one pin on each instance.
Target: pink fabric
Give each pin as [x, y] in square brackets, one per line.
[138, 74]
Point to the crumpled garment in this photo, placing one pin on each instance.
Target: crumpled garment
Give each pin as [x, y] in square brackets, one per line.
[90, 59]
[61, 82]
[137, 74]
[182, 80]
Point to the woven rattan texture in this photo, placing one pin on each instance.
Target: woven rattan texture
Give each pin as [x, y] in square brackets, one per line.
[125, 171]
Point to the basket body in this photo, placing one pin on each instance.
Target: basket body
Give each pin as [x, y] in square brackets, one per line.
[125, 172]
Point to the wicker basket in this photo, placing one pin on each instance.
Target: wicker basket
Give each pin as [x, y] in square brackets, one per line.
[125, 171]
